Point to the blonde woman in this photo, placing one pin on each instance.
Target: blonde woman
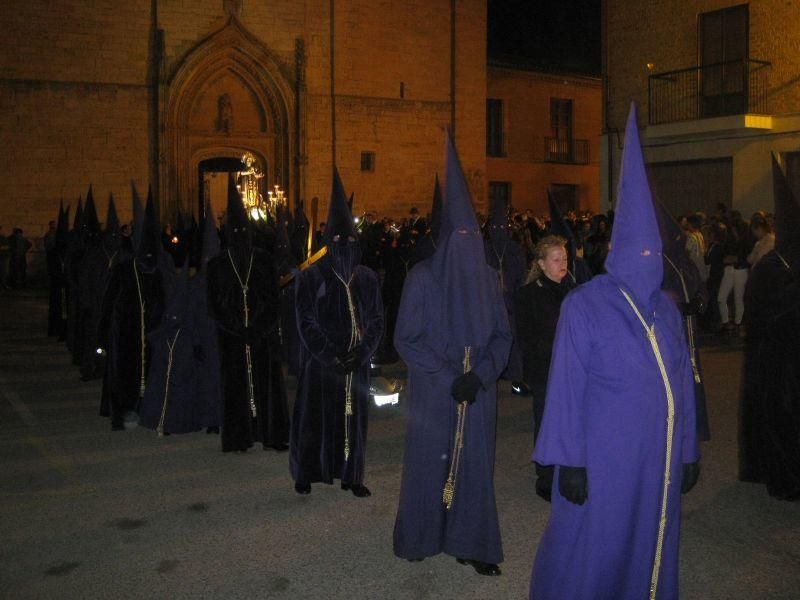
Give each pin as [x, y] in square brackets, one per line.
[537, 306]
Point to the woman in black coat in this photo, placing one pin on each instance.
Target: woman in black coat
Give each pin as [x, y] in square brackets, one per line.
[537, 305]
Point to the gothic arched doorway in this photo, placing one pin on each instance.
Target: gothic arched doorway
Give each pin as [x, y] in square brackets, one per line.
[229, 95]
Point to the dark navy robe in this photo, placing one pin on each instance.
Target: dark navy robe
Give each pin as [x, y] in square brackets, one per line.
[324, 327]
[470, 529]
[606, 410]
[508, 262]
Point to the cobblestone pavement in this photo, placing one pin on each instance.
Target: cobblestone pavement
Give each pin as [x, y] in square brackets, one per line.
[90, 513]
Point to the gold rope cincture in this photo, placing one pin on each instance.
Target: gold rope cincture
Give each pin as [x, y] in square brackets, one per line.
[355, 337]
[662, 523]
[783, 260]
[500, 258]
[248, 357]
[449, 491]
[171, 347]
[689, 324]
[110, 258]
[142, 336]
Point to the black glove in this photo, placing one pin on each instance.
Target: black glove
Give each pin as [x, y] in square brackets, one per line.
[572, 484]
[691, 471]
[199, 353]
[695, 306]
[347, 362]
[465, 387]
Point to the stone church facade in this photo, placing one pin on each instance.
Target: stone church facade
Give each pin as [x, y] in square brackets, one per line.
[160, 91]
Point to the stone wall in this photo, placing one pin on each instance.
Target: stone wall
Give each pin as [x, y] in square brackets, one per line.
[76, 104]
[526, 114]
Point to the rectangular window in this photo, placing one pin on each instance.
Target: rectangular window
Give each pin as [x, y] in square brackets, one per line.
[723, 55]
[367, 161]
[499, 191]
[494, 127]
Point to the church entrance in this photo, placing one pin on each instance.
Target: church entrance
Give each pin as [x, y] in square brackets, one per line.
[227, 97]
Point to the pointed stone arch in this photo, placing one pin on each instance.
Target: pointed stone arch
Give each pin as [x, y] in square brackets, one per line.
[228, 95]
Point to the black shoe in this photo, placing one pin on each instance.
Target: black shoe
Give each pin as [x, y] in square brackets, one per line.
[415, 559]
[359, 491]
[481, 568]
[302, 488]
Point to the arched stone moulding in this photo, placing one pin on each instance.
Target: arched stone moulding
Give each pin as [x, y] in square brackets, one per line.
[234, 52]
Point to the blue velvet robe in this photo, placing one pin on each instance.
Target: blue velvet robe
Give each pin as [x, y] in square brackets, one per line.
[606, 410]
[323, 323]
[470, 529]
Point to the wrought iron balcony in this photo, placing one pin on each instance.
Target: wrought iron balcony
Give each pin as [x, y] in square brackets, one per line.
[568, 151]
[728, 88]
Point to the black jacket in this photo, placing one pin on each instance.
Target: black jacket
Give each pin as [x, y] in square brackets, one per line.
[536, 309]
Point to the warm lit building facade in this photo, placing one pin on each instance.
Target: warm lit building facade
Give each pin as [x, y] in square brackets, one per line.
[718, 88]
[543, 134]
[171, 93]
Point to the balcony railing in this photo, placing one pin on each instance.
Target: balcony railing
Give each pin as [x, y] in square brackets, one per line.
[728, 88]
[572, 152]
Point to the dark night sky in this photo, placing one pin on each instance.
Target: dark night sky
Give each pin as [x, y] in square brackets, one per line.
[558, 35]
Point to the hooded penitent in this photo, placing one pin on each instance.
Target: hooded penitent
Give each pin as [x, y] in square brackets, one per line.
[579, 271]
[243, 299]
[299, 235]
[99, 259]
[683, 283]
[619, 419]
[55, 270]
[769, 435]
[341, 237]
[426, 246]
[83, 289]
[506, 258]
[450, 303]
[340, 323]
[72, 261]
[130, 310]
[138, 217]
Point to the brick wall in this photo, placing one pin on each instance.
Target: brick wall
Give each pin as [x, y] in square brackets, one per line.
[75, 106]
[526, 114]
[664, 33]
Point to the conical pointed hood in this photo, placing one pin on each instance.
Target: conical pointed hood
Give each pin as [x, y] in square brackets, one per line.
[634, 259]
[77, 223]
[284, 259]
[436, 210]
[91, 222]
[787, 217]
[350, 201]
[341, 236]
[469, 289]
[111, 237]
[149, 249]
[560, 227]
[238, 230]
[62, 230]
[681, 276]
[138, 216]
[340, 219]
[498, 223]
[211, 245]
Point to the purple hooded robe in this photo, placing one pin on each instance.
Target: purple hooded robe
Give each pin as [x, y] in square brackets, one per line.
[450, 301]
[607, 410]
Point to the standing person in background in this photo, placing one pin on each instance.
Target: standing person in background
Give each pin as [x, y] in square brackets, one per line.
[696, 245]
[537, 307]
[19, 246]
[765, 239]
[734, 276]
[715, 252]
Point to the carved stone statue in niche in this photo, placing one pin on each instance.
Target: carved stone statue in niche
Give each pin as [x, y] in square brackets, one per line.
[224, 114]
[232, 7]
